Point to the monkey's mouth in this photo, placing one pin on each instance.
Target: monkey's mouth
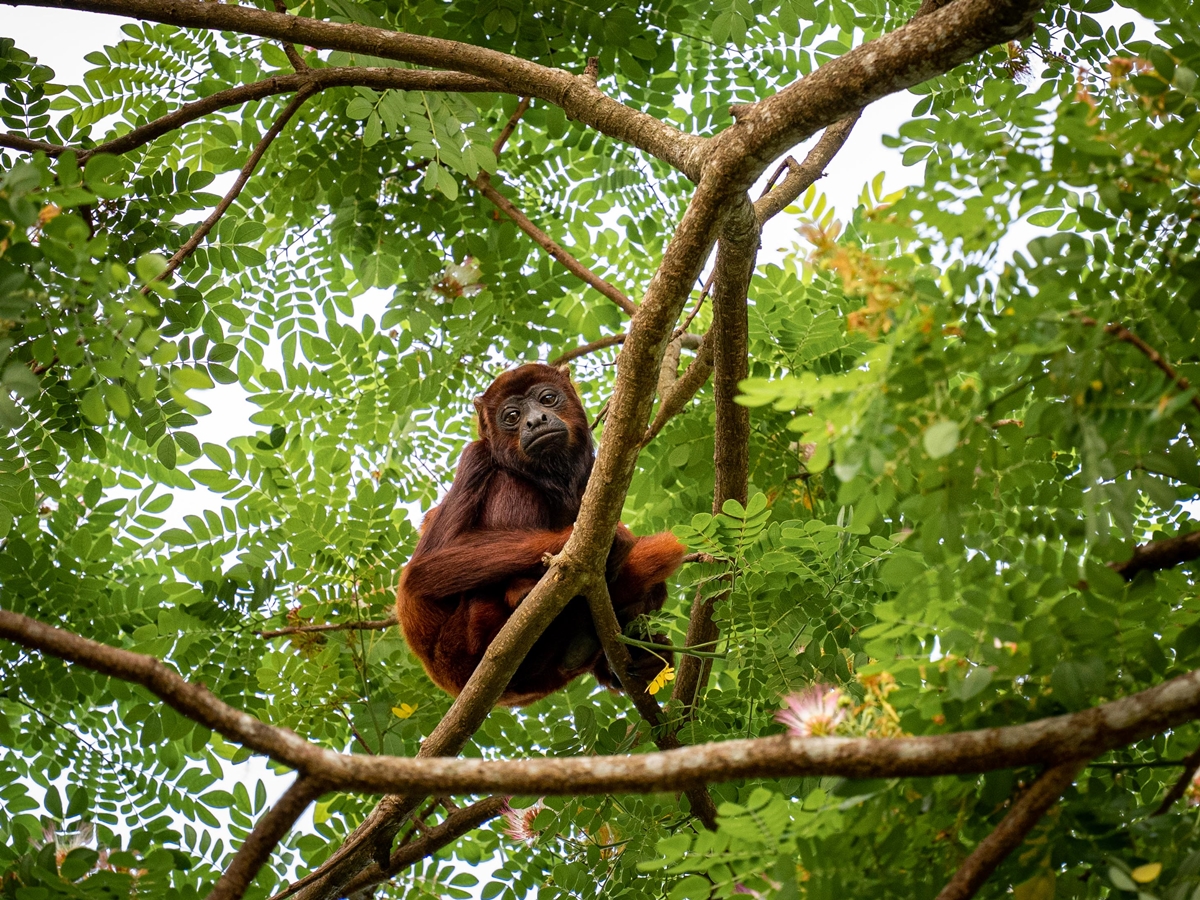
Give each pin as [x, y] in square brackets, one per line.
[540, 441]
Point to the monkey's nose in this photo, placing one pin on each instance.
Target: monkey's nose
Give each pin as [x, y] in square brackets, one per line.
[535, 420]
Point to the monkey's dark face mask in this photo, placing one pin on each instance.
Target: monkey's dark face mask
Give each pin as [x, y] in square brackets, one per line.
[533, 418]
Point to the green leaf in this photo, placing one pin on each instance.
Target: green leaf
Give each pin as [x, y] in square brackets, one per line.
[940, 439]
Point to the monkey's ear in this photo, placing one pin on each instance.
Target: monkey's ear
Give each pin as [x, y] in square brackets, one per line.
[565, 370]
[480, 415]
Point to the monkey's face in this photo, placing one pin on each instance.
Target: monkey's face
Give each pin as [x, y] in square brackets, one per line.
[534, 419]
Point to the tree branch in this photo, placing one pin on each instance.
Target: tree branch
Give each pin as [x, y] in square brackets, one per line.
[609, 631]
[737, 252]
[289, 49]
[684, 389]
[510, 126]
[551, 246]
[26, 145]
[256, 155]
[449, 830]
[1155, 556]
[368, 625]
[1190, 764]
[577, 95]
[1046, 741]
[377, 78]
[927, 46]
[801, 176]
[261, 842]
[1121, 333]
[1010, 833]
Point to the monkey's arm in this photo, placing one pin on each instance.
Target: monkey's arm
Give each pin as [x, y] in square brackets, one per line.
[478, 558]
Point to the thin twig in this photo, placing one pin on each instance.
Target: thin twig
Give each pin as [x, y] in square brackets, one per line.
[684, 651]
[1190, 764]
[1121, 333]
[366, 625]
[510, 126]
[289, 49]
[551, 246]
[610, 340]
[801, 176]
[699, 302]
[376, 77]
[256, 155]
[267, 833]
[604, 617]
[1025, 813]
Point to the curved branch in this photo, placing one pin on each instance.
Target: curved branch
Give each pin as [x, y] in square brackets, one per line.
[577, 95]
[930, 44]
[1190, 764]
[609, 631]
[1010, 833]
[1121, 333]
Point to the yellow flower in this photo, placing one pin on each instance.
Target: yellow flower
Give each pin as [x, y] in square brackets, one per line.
[661, 679]
[404, 710]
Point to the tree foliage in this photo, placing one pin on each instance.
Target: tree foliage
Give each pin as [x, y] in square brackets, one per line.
[953, 433]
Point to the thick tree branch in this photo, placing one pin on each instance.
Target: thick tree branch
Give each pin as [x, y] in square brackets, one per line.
[927, 46]
[378, 78]
[261, 842]
[1046, 741]
[1154, 556]
[577, 95]
[551, 246]
[190, 245]
[737, 252]
[368, 625]
[1086, 733]
[1026, 812]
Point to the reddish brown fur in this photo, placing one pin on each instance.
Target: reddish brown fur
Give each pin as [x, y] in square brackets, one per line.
[481, 550]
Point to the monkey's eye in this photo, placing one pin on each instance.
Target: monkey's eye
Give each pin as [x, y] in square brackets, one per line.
[548, 398]
[510, 416]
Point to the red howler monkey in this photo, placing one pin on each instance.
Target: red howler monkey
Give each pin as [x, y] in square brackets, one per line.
[514, 499]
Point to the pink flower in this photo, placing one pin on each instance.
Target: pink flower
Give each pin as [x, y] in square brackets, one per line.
[815, 712]
[518, 823]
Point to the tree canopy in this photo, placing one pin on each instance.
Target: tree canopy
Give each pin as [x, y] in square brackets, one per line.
[939, 629]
